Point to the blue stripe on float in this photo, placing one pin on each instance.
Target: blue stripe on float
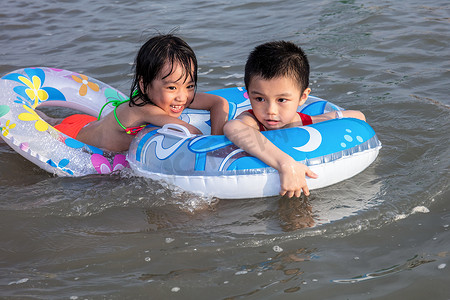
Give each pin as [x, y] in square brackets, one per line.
[142, 142]
[200, 162]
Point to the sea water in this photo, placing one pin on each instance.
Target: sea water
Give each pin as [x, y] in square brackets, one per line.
[383, 234]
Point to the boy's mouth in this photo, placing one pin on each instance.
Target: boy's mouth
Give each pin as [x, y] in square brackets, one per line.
[272, 123]
[176, 108]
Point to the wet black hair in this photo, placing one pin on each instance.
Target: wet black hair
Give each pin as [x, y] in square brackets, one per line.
[151, 59]
[276, 59]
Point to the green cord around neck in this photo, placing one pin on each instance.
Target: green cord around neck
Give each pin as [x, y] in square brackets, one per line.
[116, 103]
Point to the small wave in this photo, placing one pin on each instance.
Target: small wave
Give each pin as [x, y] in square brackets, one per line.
[408, 265]
[417, 209]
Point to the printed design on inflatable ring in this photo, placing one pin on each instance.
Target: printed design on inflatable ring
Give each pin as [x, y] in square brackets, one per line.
[32, 87]
[227, 158]
[348, 138]
[102, 165]
[31, 115]
[114, 95]
[163, 153]
[76, 144]
[7, 127]
[4, 109]
[85, 83]
[61, 165]
[23, 101]
[314, 142]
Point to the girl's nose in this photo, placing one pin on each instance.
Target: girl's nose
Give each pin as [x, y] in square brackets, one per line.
[182, 95]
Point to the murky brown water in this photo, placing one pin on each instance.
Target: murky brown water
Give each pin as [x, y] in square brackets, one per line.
[101, 237]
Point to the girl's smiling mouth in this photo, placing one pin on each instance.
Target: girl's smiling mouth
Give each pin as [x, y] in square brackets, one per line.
[176, 108]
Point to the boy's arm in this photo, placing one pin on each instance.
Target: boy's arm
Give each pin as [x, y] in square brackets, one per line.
[332, 115]
[248, 138]
[218, 108]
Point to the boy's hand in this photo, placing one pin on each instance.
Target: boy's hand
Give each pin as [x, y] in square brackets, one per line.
[293, 179]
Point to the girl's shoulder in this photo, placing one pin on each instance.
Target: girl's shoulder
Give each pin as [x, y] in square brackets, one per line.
[146, 108]
[137, 112]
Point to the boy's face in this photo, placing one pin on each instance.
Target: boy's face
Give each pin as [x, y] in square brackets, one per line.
[275, 101]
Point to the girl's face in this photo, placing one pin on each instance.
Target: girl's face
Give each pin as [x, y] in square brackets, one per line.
[173, 93]
[275, 101]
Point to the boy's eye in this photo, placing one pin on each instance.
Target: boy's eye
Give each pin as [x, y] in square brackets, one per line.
[282, 100]
[172, 88]
[259, 99]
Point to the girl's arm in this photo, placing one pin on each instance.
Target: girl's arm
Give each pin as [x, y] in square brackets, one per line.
[248, 138]
[156, 116]
[218, 108]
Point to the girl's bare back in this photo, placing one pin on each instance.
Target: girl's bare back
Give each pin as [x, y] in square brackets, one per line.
[106, 133]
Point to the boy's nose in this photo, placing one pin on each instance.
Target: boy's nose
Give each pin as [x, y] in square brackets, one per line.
[271, 109]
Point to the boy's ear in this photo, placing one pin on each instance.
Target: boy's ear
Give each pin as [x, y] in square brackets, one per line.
[304, 96]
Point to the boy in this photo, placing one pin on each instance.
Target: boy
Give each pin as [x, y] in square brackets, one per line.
[277, 79]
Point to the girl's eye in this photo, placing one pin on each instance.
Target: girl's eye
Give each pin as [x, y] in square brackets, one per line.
[191, 86]
[172, 88]
[259, 99]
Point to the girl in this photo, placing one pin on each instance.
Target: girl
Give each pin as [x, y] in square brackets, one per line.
[164, 85]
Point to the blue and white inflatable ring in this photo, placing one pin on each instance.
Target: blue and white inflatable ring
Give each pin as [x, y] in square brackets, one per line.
[211, 165]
